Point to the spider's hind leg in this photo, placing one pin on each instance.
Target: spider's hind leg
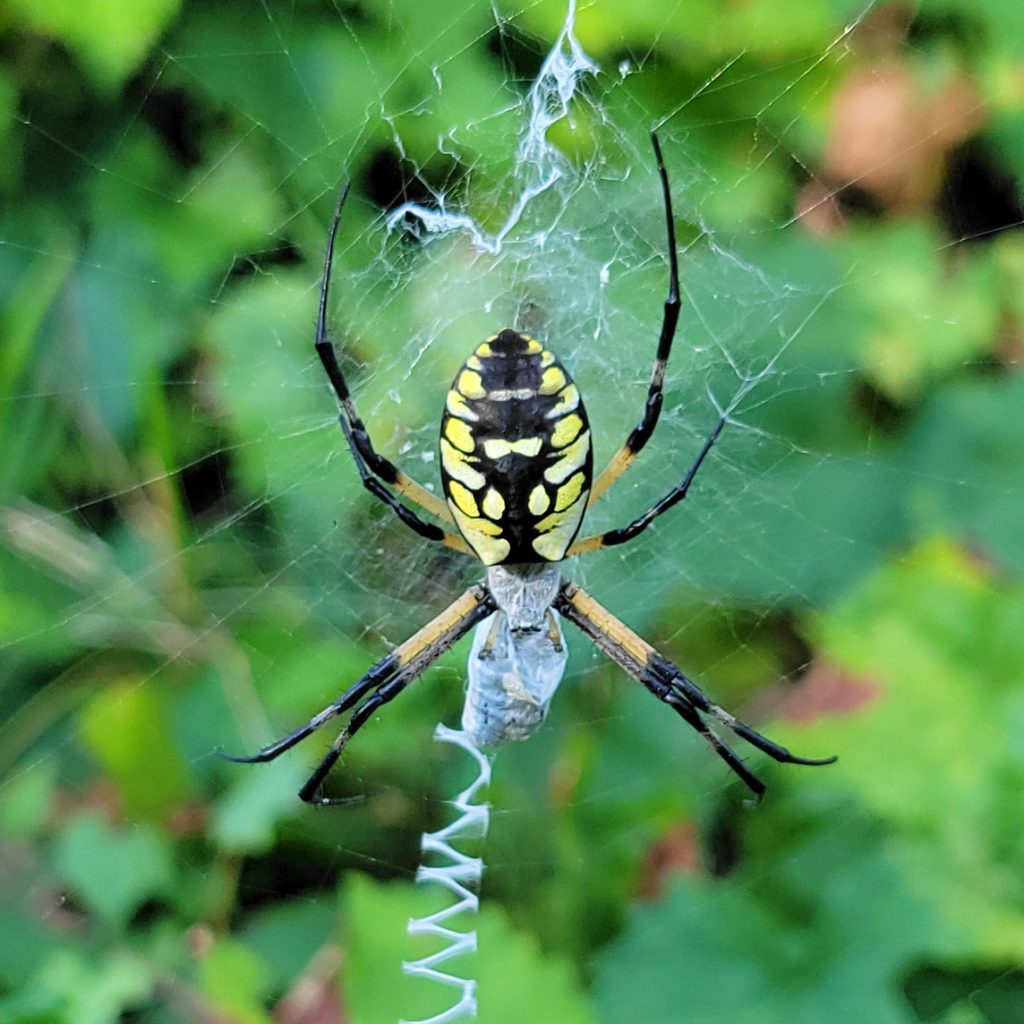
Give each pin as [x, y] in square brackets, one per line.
[381, 684]
[658, 675]
[696, 697]
[311, 788]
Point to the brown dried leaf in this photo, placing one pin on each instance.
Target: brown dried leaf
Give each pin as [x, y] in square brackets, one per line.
[892, 139]
[827, 690]
[676, 852]
[314, 997]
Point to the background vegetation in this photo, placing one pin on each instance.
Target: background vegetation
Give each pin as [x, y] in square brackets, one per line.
[186, 561]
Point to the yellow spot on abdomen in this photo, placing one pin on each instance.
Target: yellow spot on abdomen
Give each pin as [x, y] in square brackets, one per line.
[539, 501]
[568, 399]
[493, 504]
[498, 447]
[483, 537]
[471, 384]
[457, 466]
[463, 498]
[559, 529]
[565, 430]
[568, 494]
[550, 522]
[486, 527]
[457, 406]
[459, 433]
[552, 380]
[572, 459]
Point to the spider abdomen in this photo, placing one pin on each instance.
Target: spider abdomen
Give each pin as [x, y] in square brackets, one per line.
[516, 461]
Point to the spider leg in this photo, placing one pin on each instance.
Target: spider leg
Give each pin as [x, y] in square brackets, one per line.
[375, 677]
[638, 525]
[689, 714]
[426, 530]
[641, 661]
[383, 682]
[693, 694]
[642, 432]
[373, 467]
[311, 787]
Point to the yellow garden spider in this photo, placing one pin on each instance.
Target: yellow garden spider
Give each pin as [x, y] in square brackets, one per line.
[517, 472]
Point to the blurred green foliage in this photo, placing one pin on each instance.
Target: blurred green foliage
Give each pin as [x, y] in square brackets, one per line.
[187, 562]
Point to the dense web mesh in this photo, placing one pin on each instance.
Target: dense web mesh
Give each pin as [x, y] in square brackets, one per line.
[217, 541]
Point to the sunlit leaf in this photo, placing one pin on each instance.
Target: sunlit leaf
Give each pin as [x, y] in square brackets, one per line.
[235, 982]
[128, 728]
[245, 819]
[109, 36]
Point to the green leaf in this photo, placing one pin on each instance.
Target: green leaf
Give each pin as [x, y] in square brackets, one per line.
[964, 461]
[825, 933]
[111, 37]
[309, 84]
[24, 944]
[26, 801]
[515, 980]
[927, 315]
[235, 982]
[287, 935]
[113, 872]
[127, 727]
[69, 989]
[246, 818]
[932, 749]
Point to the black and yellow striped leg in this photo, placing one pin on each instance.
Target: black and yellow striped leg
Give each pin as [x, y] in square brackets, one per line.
[429, 531]
[652, 408]
[381, 684]
[638, 525]
[374, 469]
[310, 792]
[641, 661]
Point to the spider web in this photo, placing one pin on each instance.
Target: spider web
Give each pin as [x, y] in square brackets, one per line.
[239, 550]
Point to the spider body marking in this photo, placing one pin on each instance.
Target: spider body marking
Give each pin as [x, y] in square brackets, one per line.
[517, 474]
[516, 461]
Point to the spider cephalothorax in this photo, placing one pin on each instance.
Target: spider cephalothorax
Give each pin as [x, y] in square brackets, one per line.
[517, 473]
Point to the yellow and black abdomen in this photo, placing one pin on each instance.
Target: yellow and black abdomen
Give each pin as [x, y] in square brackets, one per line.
[516, 462]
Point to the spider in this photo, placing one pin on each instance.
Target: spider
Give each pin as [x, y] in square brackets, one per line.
[517, 473]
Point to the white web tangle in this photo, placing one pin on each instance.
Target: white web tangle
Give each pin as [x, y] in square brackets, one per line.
[549, 101]
[457, 876]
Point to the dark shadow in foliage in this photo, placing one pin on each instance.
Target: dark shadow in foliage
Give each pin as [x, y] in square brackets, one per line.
[998, 995]
[979, 198]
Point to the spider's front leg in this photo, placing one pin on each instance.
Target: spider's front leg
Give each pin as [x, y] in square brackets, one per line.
[642, 432]
[374, 469]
